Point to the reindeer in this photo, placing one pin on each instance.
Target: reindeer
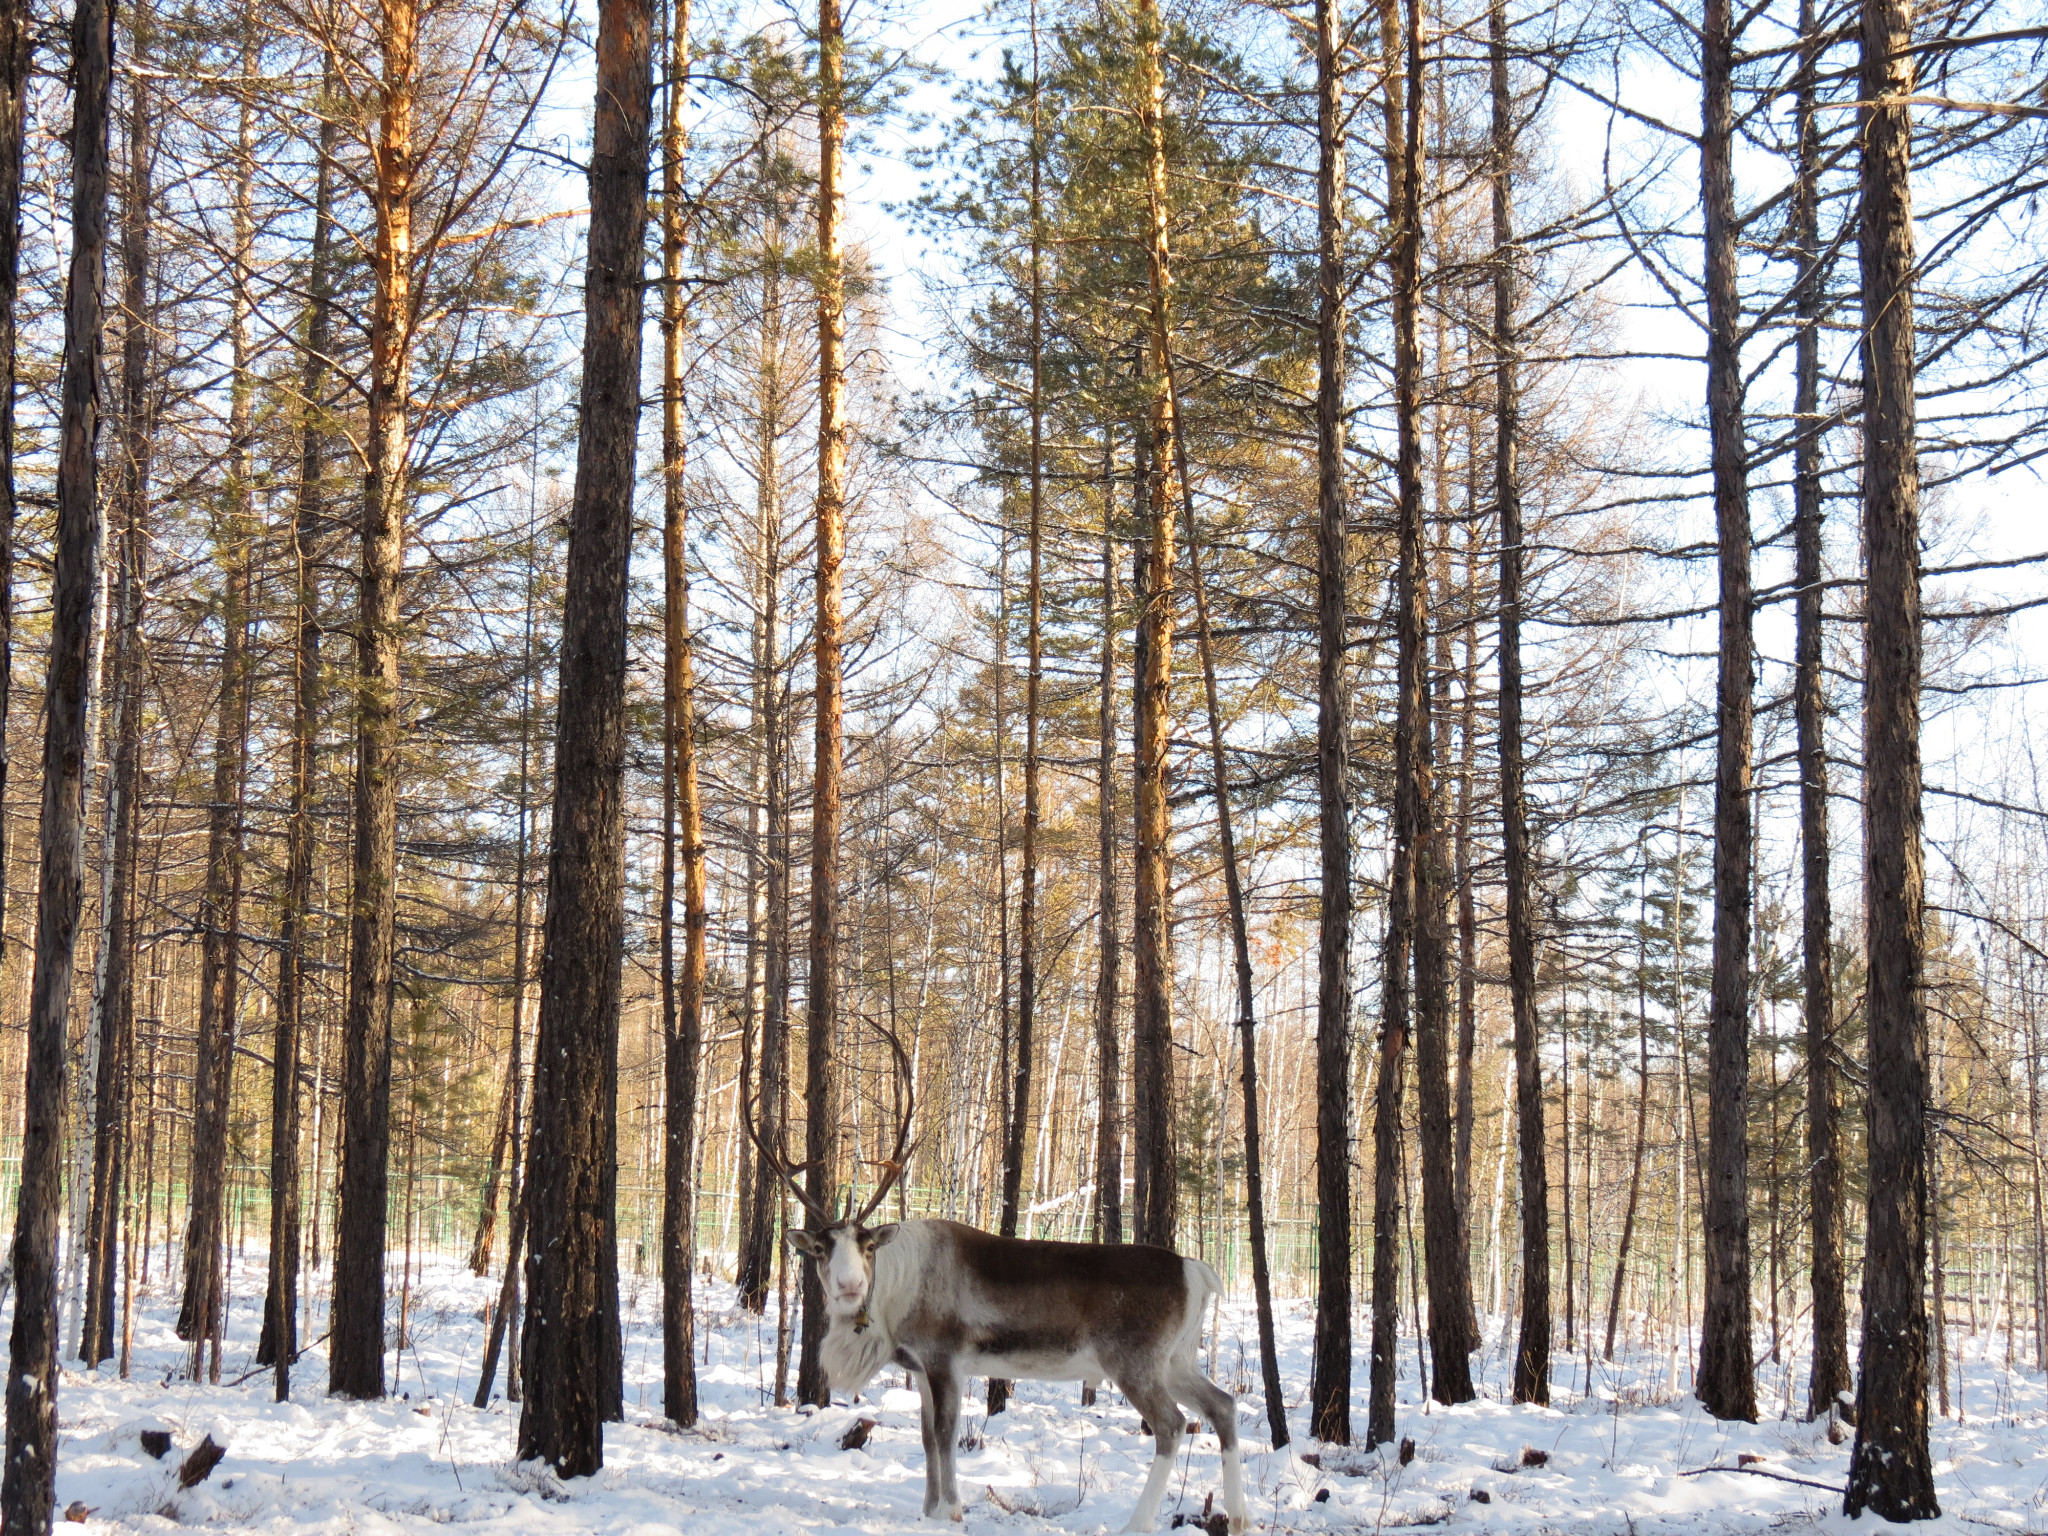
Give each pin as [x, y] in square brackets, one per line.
[946, 1302]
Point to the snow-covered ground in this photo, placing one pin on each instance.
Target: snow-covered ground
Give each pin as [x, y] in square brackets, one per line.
[1613, 1461]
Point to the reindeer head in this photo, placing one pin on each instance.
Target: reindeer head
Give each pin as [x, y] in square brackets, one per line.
[843, 1246]
[845, 1255]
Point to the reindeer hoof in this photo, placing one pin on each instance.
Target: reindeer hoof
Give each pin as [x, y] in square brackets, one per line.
[959, 1514]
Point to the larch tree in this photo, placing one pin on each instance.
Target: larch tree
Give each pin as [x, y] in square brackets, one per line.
[355, 1365]
[1726, 1380]
[1330, 1379]
[682, 848]
[28, 1482]
[1531, 1382]
[570, 1346]
[1891, 1472]
[821, 1009]
[1152, 1066]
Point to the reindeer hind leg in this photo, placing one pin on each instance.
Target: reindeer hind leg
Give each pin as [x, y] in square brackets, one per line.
[1220, 1409]
[1156, 1403]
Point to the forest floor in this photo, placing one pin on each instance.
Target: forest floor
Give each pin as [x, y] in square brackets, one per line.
[1616, 1460]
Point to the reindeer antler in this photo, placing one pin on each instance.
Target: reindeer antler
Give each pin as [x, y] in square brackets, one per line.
[773, 1160]
[893, 1164]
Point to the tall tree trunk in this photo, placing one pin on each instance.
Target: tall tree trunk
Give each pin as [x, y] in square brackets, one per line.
[821, 1012]
[1330, 1371]
[1152, 1065]
[201, 1313]
[1034, 538]
[755, 1269]
[1396, 1000]
[1027, 902]
[682, 994]
[1448, 1267]
[570, 1346]
[1241, 957]
[280, 1340]
[28, 1484]
[1726, 1381]
[1532, 1351]
[1635, 1171]
[356, 1350]
[1831, 1380]
[1890, 1471]
[114, 1006]
[522, 963]
[1109, 1130]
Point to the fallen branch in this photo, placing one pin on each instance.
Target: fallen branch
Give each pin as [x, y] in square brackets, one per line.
[1783, 1477]
[297, 1355]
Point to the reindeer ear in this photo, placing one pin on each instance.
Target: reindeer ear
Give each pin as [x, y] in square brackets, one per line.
[872, 1238]
[810, 1244]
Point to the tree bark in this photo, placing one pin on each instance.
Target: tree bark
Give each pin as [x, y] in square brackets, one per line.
[1397, 946]
[1449, 1278]
[114, 1007]
[28, 1484]
[755, 1269]
[280, 1339]
[1726, 1380]
[1890, 1471]
[682, 994]
[356, 1349]
[1152, 1074]
[1034, 597]
[1532, 1350]
[570, 1347]
[1109, 1146]
[1831, 1379]
[821, 1012]
[1241, 957]
[202, 1312]
[1635, 1170]
[1330, 1370]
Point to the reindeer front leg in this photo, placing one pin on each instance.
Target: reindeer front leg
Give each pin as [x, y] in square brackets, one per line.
[938, 1388]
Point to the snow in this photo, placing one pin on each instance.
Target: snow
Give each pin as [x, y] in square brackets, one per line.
[1610, 1461]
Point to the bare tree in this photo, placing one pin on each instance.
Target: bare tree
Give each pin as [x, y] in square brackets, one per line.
[821, 1013]
[682, 995]
[1532, 1349]
[1330, 1376]
[1890, 1470]
[570, 1346]
[28, 1484]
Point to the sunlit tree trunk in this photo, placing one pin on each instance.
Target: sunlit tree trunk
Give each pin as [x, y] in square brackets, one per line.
[1415, 792]
[1241, 964]
[280, 1339]
[356, 1351]
[1532, 1350]
[114, 1003]
[682, 809]
[1109, 1154]
[28, 1484]
[1330, 1371]
[821, 1013]
[1152, 1064]
[1890, 1471]
[1726, 1381]
[1831, 1380]
[570, 1347]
